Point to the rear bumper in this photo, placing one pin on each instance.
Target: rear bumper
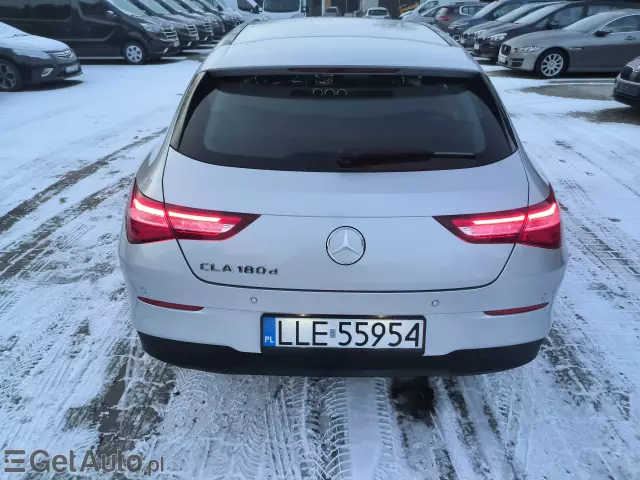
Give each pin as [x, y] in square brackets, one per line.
[224, 359]
[228, 326]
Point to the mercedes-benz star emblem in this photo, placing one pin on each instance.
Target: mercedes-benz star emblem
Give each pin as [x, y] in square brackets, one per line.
[345, 245]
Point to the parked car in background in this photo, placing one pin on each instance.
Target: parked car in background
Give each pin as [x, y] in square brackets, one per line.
[377, 12]
[229, 22]
[28, 60]
[214, 17]
[455, 11]
[227, 12]
[604, 42]
[547, 19]
[185, 27]
[208, 9]
[626, 88]
[405, 14]
[96, 28]
[283, 9]
[332, 12]
[206, 27]
[424, 7]
[249, 10]
[428, 17]
[469, 36]
[489, 12]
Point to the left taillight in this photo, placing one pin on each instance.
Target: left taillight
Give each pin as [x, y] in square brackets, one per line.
[536, 226]
[146, 220]
[149, 221]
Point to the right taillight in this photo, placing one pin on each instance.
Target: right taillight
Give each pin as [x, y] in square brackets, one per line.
[444, 18]
[537, 226]
[150, 220]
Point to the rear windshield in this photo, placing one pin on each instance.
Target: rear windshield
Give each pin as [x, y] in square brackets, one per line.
[307, 123]
[377, 11]
[331, 9]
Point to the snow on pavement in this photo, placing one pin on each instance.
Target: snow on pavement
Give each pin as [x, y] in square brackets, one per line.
[73, 376]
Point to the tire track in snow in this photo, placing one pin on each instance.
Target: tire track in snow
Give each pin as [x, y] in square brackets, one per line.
[499, 457]
[67, 338]
[16, 260]
[216, 427]
[450, 394]
[616, 251]
[422, 439]
[368, 426]
[68, 180]
[283, 425]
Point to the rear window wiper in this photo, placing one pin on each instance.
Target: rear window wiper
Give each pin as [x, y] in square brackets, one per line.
[355, 157]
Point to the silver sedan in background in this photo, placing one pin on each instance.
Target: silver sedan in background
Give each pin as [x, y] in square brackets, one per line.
[601, 43]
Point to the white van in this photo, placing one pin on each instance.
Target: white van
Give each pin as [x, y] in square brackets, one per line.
[277, 9]
[248, 9]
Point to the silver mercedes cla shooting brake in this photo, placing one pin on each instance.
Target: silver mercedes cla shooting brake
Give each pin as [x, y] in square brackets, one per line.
[339, 197]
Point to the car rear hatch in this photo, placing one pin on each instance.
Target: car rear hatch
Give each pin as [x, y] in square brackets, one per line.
[298, 157]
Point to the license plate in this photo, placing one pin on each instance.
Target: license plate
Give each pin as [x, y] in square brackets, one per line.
[388, 333]
[72, 69]
[502, 59]
[176, 43]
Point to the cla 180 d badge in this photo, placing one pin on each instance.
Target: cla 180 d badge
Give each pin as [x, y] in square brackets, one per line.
[214, 267]
[345, 245]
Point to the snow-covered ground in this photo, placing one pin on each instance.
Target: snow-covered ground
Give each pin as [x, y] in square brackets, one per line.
[72, 374]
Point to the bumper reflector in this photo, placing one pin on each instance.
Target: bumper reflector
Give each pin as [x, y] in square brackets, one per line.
[174, 306]
[513, 311]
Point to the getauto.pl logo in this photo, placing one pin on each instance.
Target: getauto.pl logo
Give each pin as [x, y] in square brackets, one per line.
[40, 461]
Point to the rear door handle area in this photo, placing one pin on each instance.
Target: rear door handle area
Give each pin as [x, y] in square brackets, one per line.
[630, 38]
